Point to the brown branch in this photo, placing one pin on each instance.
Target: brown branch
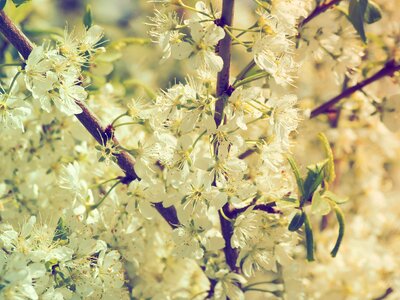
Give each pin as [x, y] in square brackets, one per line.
[385, 295]
[223, 92]
[268, 208]
[388, 70]
[318, 10]
[15, 36]
[88, 119]
[247, 153]
[224, 51]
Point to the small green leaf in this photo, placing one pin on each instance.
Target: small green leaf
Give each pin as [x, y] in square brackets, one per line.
[87, 17]
[61, 232]
[357, 10]
[314, 178]
[2, 4]
[297, 221]
[372, 13]
[330, 166]
[296, 173]
[320, 206]
[335, 198]
[340, 218]
[309, 239]
[19, 2]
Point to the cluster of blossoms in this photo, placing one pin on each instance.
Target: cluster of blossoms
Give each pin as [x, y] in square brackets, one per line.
[228, 174]
[38, 262]
[53, 76]
[199, 46]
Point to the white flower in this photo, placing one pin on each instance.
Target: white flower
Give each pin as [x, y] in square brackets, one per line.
[228, 285]
[188, 238]
[246, 228]
[202, 51]
[240, 105]
[36, 69]
[284, 118]
[91, 39]
[199, 194]
[12, 114]
[139, 199]
[256, 256]
[272, 54]
[70, 178]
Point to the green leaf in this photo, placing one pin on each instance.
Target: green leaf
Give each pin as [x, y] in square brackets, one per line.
[61, 232]
[2, 4]
[335, 198]
[19, 2]
[330, 165]
[320, 205]
[340, 218]
[357, 10]
[296, 173]
[372, 13]
[87, 17]
[309, 239]
[297, 221]
[314, 178]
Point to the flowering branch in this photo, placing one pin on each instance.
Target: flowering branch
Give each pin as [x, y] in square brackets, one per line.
[223, 92]
[88, 119]
[388, 70]
[224, 50]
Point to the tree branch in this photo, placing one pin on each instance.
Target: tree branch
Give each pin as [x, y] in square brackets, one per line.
[268, 208]
[388, 70]
[385, 295]
[88, 119]
[224, 51]
[223, 92]
[15, 36]
[318, 10]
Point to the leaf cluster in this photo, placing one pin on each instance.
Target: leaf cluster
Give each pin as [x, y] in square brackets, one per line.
[363, 12]
[313, 187]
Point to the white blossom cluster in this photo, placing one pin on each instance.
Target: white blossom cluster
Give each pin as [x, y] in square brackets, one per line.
[40, 263]
[234, 186]
[53, 76]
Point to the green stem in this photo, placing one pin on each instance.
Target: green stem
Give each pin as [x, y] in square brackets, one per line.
[257, 290]
[254, 284]
[180, 3]
[199, 137]
[251, 27]
[128, 123]
[340, 218]
[245, 70]
[13, 81]
[309, 239]
[11, 64]
[104, 182]
[234, 38]
[94, 206]
[119, 117]
[251, 79]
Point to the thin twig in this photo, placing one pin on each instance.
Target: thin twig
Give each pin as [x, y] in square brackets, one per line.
[319, 10]
[88, 119]
[388, 70]
[247, 153]
[268, 208]
[385, 295]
